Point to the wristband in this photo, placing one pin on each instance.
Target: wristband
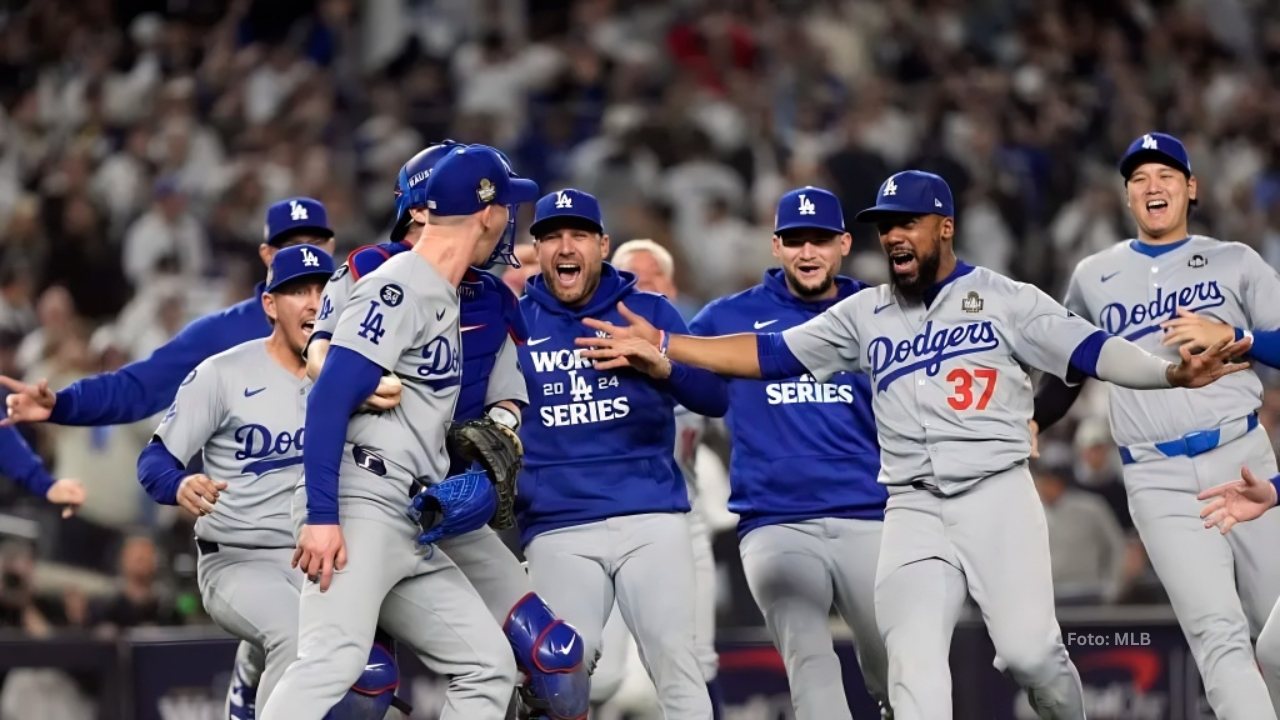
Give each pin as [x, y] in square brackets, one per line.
[503, 416]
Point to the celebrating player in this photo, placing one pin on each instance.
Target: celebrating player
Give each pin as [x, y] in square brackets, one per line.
[804, 467]
[361, 469]
[244, 408]
[944, 345]
[601, 504]
[493, 388]
[654, 270]
[1174, 444]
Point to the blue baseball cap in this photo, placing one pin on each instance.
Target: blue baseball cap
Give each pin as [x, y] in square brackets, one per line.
[1155, 147]
[296, 262]
[295, 215]
[566, 208]
[911, 192]
[809, 207]
[473, 177]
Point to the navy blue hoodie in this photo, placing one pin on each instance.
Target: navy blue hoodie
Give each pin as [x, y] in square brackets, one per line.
[598, 444]
[801, 449]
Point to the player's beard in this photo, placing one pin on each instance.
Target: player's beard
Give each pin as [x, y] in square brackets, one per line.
[809, 292]
[926, 275]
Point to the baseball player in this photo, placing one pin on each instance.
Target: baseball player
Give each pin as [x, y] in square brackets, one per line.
[944, 345]
[19, 463]
[601, 503]
[362, 470]
[244, 409]
[492, 387]
[654, 270]
[1173, 444]
[146, 387]
[804, 467]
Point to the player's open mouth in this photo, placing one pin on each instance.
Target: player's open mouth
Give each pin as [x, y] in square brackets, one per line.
[903, 261]
[809, 271]
[567, 274]
[1156, 208]
[308, 326]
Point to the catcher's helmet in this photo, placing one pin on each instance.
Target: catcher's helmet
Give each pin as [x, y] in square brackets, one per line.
[411, 184]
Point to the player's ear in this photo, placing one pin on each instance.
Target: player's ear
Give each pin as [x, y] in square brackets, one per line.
[777, 247]
[948, 228]
[1192, 188]
[266, 252]
[418, 215]
[269, 306]
[846, 244]
[604, 246]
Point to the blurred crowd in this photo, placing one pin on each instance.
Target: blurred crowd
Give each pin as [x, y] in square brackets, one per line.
[141, 141]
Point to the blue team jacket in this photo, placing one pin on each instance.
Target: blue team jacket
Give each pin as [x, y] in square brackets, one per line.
[143, 388]
[801, 449]
[598, 444]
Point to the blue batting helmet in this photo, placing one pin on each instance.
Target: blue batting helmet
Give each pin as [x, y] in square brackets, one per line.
[411, 184]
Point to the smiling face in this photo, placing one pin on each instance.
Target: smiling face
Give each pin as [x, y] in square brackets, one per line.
[293, 307]
[1159, 197]
[914, 245]
[571, 259]
[810, 260]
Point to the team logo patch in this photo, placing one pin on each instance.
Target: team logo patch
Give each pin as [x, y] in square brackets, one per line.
[486, 192]
[1197, 261]
[391, 294]
[972, 303]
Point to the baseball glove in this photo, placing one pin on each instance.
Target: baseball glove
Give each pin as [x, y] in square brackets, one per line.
[497, 450]
[458, 505]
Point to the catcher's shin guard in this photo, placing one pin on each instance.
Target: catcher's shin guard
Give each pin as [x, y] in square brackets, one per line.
[549, 651]
[374, 692]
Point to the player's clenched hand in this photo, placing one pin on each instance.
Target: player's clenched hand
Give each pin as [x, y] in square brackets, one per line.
[386, 395]
[68, 493]
[198, 493]
[27, 403]
[320, 551]
[1237, 501]
[1200, 331]
[1199, 370]
[636, 327]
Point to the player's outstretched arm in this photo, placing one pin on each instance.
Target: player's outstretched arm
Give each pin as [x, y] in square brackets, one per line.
[733, 355]
[1123, 363]
[1238, 501]
[1201, 331]
[20, 463]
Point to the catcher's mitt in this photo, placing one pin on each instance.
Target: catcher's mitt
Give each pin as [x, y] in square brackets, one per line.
[497, 449]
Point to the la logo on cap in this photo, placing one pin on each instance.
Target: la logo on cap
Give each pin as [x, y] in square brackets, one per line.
[806, 206]
[563, 201]
[890, 188]
[297, 211]
[1149, 142]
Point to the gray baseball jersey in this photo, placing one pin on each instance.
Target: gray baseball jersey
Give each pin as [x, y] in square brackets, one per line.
[336, 293]
[405, 319]
[247, 414]
[1129, 293]
[951, 396]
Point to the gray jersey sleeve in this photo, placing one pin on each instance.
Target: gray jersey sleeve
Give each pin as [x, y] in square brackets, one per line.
[1260, 286]
[506, 382]
[336, 293]
[1042, 333]
[380, 320]
[828, 343]
[196, 414]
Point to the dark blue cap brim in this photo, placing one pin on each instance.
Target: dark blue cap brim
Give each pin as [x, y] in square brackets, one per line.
[277, 284]
[317, 230]
[564, 219]
[1141, 157]
[802, 225]
[520, 190]
[871, 214]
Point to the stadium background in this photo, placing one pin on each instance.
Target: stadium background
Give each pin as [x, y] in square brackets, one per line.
[141, 140]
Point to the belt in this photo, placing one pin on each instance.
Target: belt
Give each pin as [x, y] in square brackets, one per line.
[1191, 444]
[208, 547]
[376, 465]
